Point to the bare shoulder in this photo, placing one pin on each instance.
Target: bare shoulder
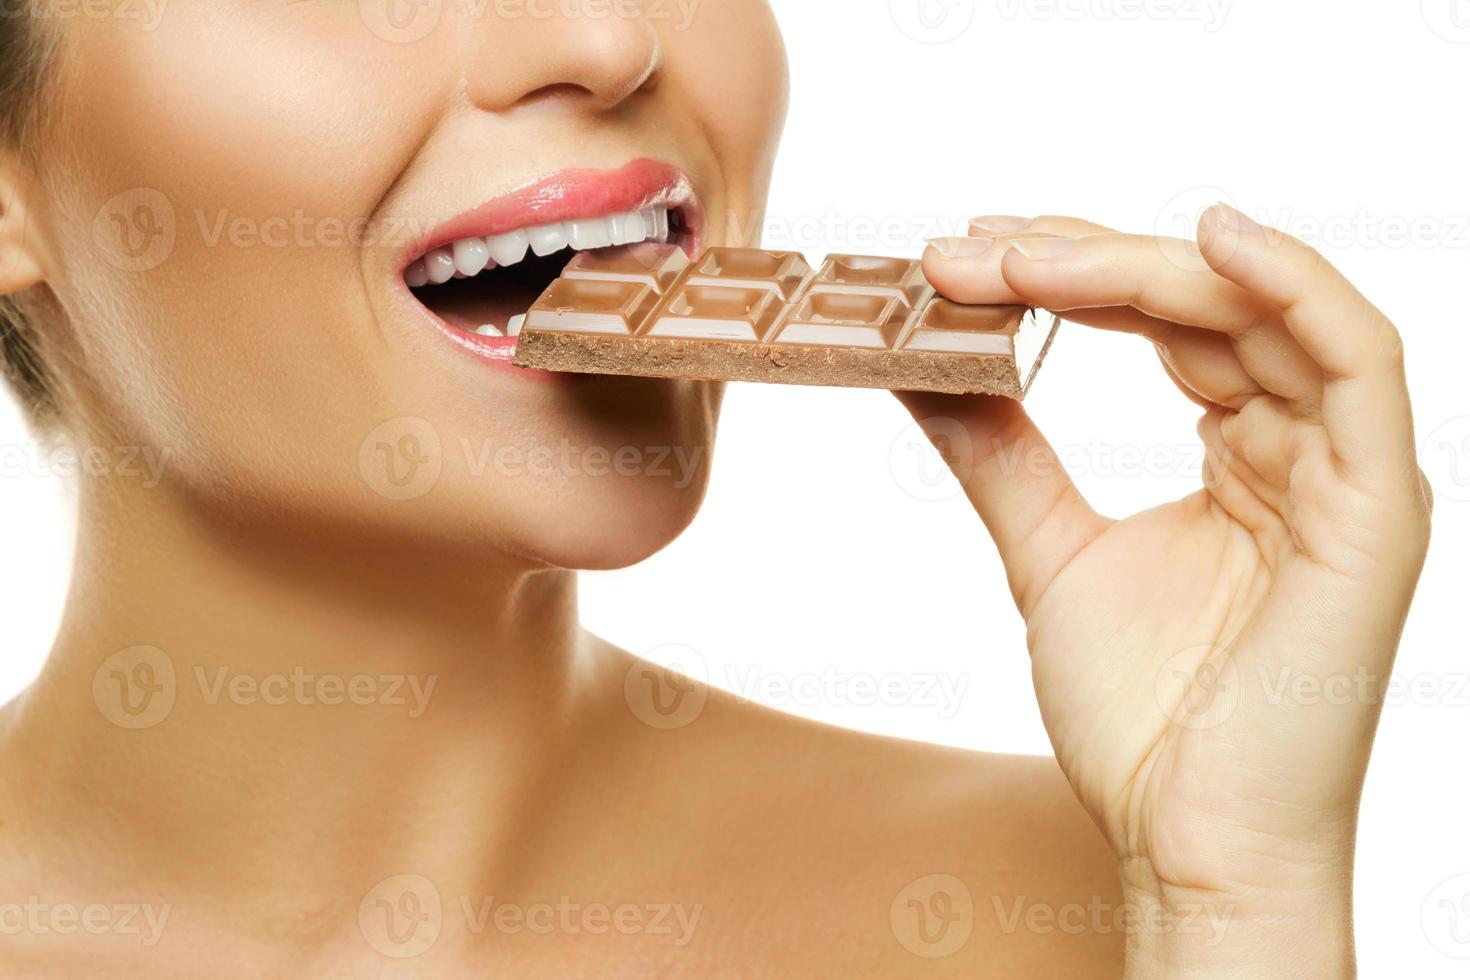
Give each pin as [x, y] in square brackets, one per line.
[883, 857]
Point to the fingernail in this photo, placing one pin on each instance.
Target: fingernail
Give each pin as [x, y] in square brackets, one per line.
[1000, 224]
[961, 248]
[1037, 249]
[1236, 221]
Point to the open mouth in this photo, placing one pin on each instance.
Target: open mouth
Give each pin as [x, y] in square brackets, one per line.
[483, 285]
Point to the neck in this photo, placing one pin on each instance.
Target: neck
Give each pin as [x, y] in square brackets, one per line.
[296, 711]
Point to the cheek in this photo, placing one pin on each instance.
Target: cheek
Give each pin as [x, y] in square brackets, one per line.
[248, 99]
[729, 64]
[257, 145]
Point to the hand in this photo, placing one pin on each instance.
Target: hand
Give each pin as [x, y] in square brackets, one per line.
[1166, 647]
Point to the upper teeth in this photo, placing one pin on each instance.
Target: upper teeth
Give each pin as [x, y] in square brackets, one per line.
[471, 256]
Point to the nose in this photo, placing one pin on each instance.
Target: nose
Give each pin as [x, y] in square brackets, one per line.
[521, 52]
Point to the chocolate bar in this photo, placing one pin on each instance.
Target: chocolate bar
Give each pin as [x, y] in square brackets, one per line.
[740, 314]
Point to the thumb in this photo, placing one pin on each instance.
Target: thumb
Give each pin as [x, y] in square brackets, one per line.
[1016, 483]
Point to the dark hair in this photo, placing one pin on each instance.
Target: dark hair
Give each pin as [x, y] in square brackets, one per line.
[26, 51]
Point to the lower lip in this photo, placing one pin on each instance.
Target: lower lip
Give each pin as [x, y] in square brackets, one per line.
[499, 349]
[499, 354]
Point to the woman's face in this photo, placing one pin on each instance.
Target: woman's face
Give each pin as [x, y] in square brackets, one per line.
[242, 187]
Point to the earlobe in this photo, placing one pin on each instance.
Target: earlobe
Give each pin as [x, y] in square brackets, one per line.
[19, 269]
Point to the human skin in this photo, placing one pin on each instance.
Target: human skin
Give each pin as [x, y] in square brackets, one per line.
[1297, 559]
[531, 774]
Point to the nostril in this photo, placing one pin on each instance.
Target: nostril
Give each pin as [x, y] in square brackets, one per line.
[557, 91]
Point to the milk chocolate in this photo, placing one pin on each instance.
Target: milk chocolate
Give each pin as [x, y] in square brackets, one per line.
[738, 314]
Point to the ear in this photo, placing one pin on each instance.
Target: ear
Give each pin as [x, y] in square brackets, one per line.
[19, 267]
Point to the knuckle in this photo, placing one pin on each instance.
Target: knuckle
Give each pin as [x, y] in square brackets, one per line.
[1426, 497]
[1311, 270]
[1391, 347]
[1211, 424]
[1261, 320]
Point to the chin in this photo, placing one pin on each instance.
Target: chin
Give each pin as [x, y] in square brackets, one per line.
[579, 522]
[603, 528]
[590, 473]
[617, 504]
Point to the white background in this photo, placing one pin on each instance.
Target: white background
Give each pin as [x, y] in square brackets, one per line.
[828, 549]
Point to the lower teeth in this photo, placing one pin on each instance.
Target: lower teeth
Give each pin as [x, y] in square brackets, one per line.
[512, 329]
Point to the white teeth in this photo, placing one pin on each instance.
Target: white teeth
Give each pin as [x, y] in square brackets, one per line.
[508, 249]
[590, 233]
[489, 330]
[440, 265]
[470, 256]
[513, 328]
[628, 228]
[546, 239]
[416, 275]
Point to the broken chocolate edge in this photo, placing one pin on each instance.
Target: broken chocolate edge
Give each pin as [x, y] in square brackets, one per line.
[717, 360]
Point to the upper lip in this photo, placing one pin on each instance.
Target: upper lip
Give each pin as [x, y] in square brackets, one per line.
[567, 195]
